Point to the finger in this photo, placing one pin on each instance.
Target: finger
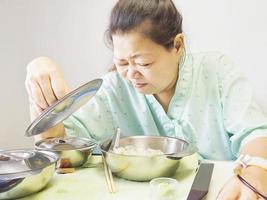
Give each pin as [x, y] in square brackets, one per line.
[247, 194]
[37, 95]
[28, 89]
[59, 85]
[37, 108]
[230, 190]
[46, 88]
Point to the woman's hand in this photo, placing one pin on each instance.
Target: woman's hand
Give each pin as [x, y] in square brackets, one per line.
[234, 189]
[45, 84]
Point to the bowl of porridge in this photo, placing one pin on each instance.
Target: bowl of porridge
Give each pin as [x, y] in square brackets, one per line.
[142, 158]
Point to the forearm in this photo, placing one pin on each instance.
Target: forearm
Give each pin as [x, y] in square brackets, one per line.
[56, 131]
[254, 175]
[256, 147]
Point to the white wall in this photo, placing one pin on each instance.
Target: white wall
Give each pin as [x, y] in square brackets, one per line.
[71, 32]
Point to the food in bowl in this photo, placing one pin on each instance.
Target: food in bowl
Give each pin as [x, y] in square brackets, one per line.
[137, 151]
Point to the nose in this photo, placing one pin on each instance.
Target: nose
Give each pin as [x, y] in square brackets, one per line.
[132, 72]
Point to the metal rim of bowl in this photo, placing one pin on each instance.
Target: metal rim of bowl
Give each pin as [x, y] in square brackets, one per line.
[140, 136]
[36, 146]
[26, 173]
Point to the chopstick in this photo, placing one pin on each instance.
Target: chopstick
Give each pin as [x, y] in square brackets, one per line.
[109, 176]
[111, 179]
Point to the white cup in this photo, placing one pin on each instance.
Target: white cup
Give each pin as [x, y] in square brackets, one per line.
[164, 189]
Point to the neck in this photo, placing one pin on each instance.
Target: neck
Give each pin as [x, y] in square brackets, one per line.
[164, 97]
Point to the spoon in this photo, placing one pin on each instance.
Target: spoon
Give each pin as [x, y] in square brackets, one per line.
[115, 140]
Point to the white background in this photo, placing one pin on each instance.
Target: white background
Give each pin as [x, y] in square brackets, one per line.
[72, 33]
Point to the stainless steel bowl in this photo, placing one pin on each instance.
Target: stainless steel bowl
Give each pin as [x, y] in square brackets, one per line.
[23, 172]
[72, 151]
[145, 168]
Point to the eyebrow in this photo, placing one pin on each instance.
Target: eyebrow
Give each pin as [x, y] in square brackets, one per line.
[133, 56]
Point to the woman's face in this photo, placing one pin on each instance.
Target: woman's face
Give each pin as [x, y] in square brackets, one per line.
[149, 67]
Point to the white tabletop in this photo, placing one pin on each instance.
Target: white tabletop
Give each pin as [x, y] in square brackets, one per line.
[89, 183]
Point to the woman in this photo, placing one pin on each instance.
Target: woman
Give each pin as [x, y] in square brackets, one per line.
[159, 89]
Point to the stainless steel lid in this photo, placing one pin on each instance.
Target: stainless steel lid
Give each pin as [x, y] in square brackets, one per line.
[64, 143]
[21, 163]
[63, 108]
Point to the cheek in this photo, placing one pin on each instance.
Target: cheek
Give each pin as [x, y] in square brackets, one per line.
[162, 75]
[155, 74]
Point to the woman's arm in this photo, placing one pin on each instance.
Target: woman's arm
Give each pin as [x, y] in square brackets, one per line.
[256, 147]
[56, 131]
[256, 176]
[45, 84]
[246, 123]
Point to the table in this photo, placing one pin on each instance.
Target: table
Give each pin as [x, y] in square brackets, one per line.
[90, 184]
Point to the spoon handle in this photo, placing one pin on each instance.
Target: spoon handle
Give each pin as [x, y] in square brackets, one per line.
[115, 140]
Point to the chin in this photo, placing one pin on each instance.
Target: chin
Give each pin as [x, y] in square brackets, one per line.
[146, 92]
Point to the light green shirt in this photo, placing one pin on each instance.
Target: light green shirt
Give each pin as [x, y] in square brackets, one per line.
[212, 107]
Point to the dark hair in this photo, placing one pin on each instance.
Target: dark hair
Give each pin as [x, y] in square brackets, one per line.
[158, 20]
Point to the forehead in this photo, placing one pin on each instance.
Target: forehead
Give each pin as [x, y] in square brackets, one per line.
[129, 44]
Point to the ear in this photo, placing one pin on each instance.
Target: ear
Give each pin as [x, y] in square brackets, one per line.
[178, 42]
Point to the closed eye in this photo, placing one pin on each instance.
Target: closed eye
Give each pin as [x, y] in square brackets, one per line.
[122, 64]
[144, 64]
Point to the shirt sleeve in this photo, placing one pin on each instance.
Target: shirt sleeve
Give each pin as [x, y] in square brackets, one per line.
[243, 119]
[93, 120]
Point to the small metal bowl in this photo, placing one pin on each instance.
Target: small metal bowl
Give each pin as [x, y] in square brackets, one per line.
[23, 172]
[144, 167]
[72, 151]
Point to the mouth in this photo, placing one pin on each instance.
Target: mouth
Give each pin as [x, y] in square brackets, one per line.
[139, 85]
